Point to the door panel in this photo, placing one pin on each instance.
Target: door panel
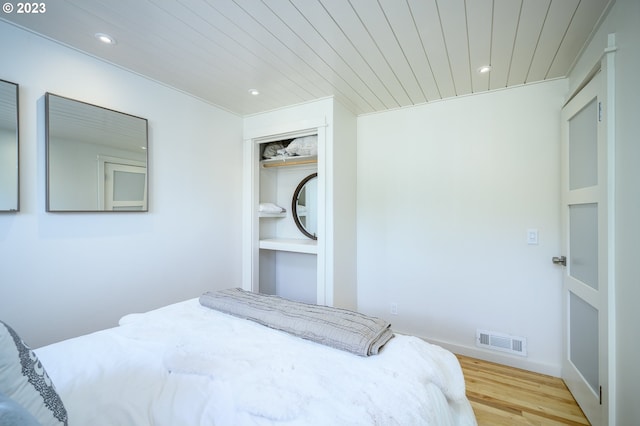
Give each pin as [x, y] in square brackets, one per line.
[583, 342]
[584, 211]
[583, 147]
[583, 243]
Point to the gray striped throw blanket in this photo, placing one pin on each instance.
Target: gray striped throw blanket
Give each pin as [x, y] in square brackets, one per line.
[340, 328]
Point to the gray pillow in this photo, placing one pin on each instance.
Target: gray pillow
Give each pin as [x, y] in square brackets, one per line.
[24, 380]
[14, 414]
[271, 149]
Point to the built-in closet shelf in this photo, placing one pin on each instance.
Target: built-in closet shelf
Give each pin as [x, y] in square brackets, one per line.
[264, 214]
[290, 161]
[297, 245]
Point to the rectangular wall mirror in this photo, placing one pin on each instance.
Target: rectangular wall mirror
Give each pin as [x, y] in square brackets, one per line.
[9, 152]
[97, 158]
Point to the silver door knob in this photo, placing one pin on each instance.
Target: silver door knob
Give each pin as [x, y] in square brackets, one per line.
[559, 260]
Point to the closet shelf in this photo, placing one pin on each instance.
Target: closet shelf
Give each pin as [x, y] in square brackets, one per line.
[296, 245]
[290, 161]
[265, 214]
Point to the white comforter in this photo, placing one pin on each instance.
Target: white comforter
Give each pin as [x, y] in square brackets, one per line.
[187, 365]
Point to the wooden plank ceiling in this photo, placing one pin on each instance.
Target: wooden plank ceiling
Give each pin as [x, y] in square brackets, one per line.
[372, 55]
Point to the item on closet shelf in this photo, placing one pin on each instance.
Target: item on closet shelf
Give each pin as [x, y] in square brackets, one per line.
[270, 208]
[273, 149]
[307, 145]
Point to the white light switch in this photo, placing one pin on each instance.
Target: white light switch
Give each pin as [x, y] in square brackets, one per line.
[532, 236]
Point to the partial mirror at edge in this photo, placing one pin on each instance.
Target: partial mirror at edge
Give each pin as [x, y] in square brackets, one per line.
[9, 152]
[304, 206]
[96, 158]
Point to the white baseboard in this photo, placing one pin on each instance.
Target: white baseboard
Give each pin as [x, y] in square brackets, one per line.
[499, 358]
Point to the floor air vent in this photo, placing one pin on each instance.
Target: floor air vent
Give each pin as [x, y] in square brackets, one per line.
[501, 342]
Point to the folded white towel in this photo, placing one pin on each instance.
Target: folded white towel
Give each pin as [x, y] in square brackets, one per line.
[270, 208]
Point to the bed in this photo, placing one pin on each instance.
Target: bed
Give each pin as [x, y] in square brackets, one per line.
[191, 364]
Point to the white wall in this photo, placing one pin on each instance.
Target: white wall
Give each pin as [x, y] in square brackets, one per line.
[343, 203]
[446, 194]
[622, 21]
[63, 274]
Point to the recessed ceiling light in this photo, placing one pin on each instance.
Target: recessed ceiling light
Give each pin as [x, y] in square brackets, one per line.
[105, 38]
[254, 92]
[484, 69]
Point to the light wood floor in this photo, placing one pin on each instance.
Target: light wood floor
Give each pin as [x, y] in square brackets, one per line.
[508, 396]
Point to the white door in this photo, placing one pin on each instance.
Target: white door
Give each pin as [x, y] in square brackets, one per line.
[125, 187]
[585, 219]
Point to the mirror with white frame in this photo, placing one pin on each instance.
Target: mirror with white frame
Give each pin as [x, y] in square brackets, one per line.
[9, 152]
[304, 206]
[97, 158]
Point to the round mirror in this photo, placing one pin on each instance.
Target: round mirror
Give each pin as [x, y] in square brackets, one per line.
[304, 206]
